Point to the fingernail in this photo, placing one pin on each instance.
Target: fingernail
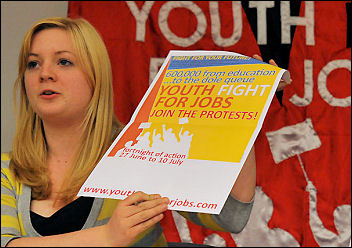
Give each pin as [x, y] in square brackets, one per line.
[156, 196]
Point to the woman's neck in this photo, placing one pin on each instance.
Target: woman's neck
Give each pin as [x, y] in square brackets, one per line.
[62, 140]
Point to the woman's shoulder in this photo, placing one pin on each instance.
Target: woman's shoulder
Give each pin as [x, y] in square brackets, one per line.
[8, 179]
[5, 162]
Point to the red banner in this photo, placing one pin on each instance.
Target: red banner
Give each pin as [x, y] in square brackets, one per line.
[303, 152]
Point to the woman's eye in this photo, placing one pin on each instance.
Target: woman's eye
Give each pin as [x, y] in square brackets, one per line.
[65, 62]
[32, 64]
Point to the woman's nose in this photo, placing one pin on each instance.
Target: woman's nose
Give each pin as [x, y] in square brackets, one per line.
[47, 73]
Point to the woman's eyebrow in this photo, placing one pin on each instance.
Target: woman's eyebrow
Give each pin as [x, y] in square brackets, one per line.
[33, 54]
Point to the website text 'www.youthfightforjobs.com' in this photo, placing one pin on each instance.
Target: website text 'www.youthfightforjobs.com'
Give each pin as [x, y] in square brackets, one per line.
[177, 202]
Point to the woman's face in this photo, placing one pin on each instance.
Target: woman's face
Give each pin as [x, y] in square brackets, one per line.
[56, 87]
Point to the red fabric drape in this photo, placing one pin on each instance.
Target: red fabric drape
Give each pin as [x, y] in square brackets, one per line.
[328, 167]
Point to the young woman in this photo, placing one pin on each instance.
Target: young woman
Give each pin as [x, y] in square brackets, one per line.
[65, 123]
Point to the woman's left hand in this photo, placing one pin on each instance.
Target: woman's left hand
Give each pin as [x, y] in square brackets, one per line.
[282, 83]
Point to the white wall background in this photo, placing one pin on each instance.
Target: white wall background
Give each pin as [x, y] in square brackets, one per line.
[16, 18]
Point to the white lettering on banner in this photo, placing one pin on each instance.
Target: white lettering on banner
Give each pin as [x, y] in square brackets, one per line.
[169, 35]
[342, 221]
[287, 21]
[140, 16]
[216, 25]
[308, 86]
[322, 89]
[154, 66]
[261, 7]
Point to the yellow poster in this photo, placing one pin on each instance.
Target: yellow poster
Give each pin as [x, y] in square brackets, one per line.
[199, 119]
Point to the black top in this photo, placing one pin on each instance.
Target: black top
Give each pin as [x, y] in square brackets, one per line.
[71, 217]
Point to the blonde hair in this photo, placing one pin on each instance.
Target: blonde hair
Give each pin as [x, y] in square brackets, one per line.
[29, 150]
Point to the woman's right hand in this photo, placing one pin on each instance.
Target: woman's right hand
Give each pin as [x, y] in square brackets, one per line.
[134, 215]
